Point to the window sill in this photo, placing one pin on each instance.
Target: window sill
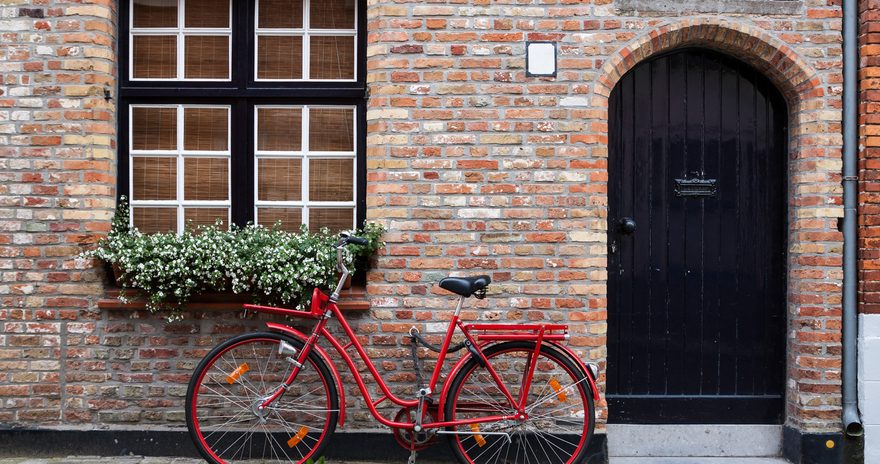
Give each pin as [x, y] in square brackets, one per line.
[353, 299]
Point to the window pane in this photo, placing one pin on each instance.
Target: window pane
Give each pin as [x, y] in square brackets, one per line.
[287, 14]
[194, 217]
[205, 179]
[206, 129]
[155, 13]
[331, 180]
[279, 57]
[279, 179]
[154, 128]
[152, 220]
[331, 14]
[155, 56]
[279, 129]
[332, 57]
[207, 57]
[154, 178]
[291, 218]
[206, 13]
[335, 219]
[331, 129]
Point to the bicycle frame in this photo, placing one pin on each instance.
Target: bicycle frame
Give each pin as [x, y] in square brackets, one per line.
[323, 308]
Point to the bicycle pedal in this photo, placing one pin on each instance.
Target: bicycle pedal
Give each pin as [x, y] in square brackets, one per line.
[412, 457]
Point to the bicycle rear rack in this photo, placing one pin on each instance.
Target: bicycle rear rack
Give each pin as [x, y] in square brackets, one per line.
[510, 332]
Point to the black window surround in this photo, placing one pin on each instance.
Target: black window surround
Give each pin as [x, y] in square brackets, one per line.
[242, 94]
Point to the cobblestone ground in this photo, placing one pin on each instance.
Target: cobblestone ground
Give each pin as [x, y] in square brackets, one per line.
[164, 460]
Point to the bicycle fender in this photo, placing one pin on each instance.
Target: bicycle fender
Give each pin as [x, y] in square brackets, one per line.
[577, 361]
[340, 389]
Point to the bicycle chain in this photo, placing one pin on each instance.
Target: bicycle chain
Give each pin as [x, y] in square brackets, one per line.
[417, 364]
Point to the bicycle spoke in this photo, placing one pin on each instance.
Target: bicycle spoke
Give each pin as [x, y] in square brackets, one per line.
[245, 378]
[225, 397]
[233, 420]
[556, 438]
[545, 399]
[245, 442]
[236, 440]
[316, 416]
[494, 442]
[538, 440]
[272, 436]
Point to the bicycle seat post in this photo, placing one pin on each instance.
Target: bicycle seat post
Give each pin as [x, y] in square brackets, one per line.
[458, 307]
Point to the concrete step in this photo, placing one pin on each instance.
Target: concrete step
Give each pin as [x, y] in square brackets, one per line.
[668, 441]
[697, 461]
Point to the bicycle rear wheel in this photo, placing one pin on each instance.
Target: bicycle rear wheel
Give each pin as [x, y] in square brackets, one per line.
[230, 383]
[559, 406]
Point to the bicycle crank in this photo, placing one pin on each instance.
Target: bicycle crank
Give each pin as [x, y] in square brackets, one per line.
[409, 439]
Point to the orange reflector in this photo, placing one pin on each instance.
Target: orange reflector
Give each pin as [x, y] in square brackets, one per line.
[298, 437]
[231, 378]
[558, 389]
[481, 442]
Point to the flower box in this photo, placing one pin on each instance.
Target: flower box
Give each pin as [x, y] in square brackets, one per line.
[269, 266]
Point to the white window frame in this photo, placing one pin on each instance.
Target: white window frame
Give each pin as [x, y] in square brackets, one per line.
[181, 33]
[180, 154]
[306, 32]
[305, 155]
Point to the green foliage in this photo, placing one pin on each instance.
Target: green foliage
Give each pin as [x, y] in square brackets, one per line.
[274, 266]
[321, 460]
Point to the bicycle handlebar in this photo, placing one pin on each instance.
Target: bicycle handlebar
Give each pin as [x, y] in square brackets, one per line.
[345, 239]
[357, 240]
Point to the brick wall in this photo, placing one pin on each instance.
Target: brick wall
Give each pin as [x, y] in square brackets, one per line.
[869, 225]
[869, 166]
[57, 177]
[477, 168]
[472, 166]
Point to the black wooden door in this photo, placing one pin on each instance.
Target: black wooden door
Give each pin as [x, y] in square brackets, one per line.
[696, 243]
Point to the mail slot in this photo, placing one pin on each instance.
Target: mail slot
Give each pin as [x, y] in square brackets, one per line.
[695, 187]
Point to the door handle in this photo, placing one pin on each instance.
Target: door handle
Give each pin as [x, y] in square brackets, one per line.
[626, 226]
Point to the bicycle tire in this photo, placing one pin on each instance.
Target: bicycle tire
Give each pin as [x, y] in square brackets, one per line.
[225, 389]
[474, 393]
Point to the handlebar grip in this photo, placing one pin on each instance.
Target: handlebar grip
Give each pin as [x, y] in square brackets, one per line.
[357, 240]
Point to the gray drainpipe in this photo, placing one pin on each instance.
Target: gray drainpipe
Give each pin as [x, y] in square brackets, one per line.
[852, 423]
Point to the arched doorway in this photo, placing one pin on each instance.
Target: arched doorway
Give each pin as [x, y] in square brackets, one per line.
[697, 242]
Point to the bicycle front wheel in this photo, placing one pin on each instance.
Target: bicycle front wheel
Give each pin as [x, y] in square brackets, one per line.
[559, 407]
[227, 388]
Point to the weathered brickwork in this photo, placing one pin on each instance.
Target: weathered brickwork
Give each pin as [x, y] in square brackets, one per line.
[869, 160]
[869, 224]
[472, 166]
[477, 168]
[57, 177]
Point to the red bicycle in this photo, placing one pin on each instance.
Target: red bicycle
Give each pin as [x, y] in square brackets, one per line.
[517, 396]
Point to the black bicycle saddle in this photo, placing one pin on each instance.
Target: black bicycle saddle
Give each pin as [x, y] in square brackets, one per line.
[465, 286]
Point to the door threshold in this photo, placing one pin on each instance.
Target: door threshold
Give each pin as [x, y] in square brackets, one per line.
[694, 440]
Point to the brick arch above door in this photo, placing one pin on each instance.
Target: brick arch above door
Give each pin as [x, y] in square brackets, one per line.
[792, 75]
